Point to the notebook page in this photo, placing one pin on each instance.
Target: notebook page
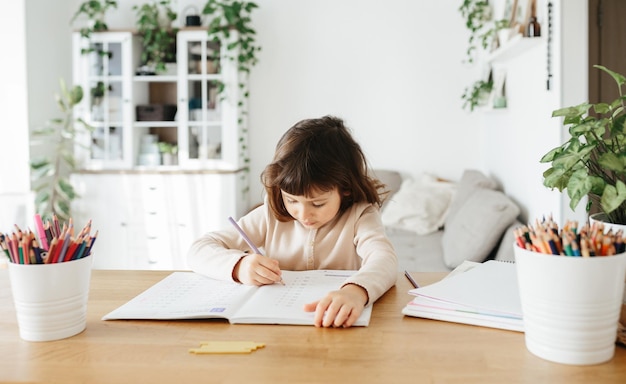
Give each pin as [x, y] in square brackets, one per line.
[283, 304]
[184, 295]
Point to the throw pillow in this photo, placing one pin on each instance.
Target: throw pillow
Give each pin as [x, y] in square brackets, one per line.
[391, 179]
[419, 206]
[470, 180]
[477, 226]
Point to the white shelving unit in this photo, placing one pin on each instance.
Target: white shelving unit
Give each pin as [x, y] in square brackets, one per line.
[147, 212]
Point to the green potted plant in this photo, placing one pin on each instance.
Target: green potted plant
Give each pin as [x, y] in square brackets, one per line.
[592, 162]
[158, 37]
[97, 92]
[50, 173]
[95, 11]
[168, 152]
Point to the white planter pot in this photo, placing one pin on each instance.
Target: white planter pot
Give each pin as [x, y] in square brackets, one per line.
[570, 305]
[601, 217]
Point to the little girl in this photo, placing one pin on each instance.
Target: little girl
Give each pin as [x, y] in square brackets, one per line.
[322, 211]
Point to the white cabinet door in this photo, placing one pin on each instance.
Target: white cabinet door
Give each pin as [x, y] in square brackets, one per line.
[103, 67]
[209, 132]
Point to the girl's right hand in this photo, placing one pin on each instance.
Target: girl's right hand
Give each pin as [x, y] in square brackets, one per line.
[257, 269]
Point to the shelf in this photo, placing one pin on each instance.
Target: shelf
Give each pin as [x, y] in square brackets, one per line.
[102, 124]
[208, 76]
[153, 124]
[156, 78]
[110, 79]
[513, 48]
[208, 123]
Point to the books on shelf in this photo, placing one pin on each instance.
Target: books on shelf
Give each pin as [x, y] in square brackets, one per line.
[188, 295]
[483, 294]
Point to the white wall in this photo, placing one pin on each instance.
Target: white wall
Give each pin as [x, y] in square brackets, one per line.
[574, 65]
[394, 71]
[517, 138]
[49, 54]
[15, 196]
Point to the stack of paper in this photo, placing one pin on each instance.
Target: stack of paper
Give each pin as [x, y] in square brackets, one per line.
[485, 295]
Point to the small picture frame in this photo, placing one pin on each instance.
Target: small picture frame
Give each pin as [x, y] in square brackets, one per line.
[508, 12]
[521, 14]
[498, 98]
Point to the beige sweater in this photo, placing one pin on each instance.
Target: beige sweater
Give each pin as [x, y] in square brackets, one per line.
[354, 240]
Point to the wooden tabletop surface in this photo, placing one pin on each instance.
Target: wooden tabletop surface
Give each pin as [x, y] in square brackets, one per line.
[393, 349]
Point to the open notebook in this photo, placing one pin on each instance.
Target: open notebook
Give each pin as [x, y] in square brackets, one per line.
[485, 294]
[188, 295]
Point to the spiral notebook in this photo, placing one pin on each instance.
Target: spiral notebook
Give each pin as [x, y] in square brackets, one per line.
[484, 295]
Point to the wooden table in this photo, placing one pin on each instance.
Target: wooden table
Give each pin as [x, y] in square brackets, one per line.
[393, 349]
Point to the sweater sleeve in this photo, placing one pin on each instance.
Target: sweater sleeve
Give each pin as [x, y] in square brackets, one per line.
[215, 254]
[379, 268]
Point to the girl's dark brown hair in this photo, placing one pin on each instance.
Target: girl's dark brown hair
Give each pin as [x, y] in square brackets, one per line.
[319, 154]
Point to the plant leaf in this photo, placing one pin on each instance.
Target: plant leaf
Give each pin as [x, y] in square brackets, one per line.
[578, 186]
[613, 196]
[612, 162]
[619, 79]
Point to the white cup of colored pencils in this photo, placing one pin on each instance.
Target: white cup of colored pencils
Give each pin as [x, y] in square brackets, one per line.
[571, 240]
[50, 243]
[50, 272]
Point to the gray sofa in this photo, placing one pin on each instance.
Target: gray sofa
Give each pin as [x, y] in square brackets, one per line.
[477, 224]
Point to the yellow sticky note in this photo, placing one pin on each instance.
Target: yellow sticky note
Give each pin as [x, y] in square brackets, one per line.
[227, 347]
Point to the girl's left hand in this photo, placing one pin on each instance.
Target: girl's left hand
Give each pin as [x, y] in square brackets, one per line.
[339, 308]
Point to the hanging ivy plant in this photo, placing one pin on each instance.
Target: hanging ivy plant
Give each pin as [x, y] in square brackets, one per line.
[477, 94]
[226, 17]
[476, 14]
[479, 21]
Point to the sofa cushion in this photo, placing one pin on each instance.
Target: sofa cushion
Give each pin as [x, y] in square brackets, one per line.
[470, 180]
[420, 206]
[391, 179]
[417, 253]
[477, 226]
